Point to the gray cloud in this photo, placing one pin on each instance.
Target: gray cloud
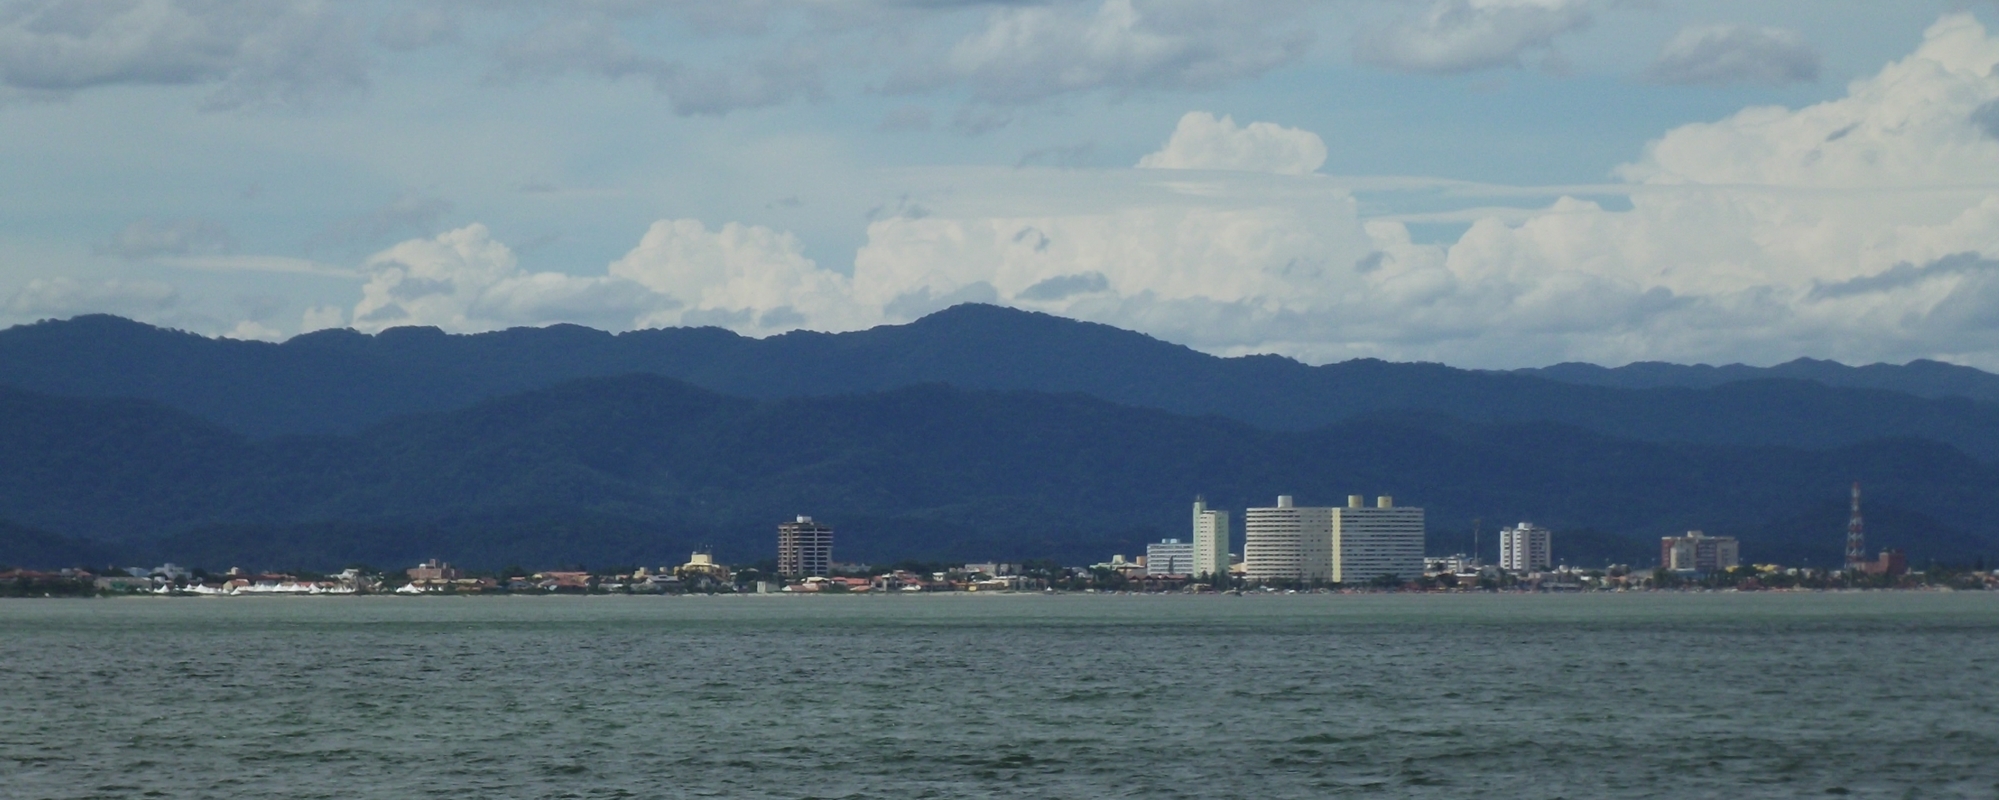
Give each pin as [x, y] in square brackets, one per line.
[410, 214]
[252, 52]
[417, 28]
[1905, 274]
[1462, 36]
[592, 44]
[1986, 118]
[1029, 52]
[1723, 54]
[148, 237]
[1075, 155]
[905, 118]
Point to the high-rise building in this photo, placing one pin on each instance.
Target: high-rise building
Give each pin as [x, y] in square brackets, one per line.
[1287, 542]
[1698, 552]
[1355, 544]
[1370, 543]
[1169, 557]
[1211, 541]
[1525, 548]
[804, 548]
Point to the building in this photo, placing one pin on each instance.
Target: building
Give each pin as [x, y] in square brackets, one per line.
[702, 565]
[1891, 562]
[1169, 557]
[1355, 544]
[1698, 552]
[1211, 541]
[1525, 547]
[433, 570]
[804, 548]
[1287, 542]
[1377, 542]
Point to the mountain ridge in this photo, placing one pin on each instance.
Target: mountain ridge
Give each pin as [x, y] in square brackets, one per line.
[640, 468]
[341, 381]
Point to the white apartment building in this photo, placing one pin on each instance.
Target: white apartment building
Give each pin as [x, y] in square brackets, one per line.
[1169, 557]
[1287, 542]
[1211, 541]
[1698, 552]
[1371, 542]
[1355, 544]
[1525, 547]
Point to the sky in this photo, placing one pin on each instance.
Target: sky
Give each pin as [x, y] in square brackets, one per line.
[1483, 183]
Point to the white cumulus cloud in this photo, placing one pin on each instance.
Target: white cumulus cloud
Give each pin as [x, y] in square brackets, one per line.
[1201, 141]
[1861, 228]
[744, 277]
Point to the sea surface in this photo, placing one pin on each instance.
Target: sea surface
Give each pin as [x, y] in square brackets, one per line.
[1637, 695]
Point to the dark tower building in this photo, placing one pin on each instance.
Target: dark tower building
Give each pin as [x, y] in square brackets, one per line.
[804, 548]
[1856, 537]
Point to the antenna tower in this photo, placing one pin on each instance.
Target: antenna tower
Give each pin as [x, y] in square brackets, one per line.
[1856, 536]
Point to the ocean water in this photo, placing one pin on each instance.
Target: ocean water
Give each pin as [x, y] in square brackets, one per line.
[1659, 695]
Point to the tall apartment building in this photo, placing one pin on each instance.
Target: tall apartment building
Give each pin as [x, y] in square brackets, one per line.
[1369, 543]
[1287, 542]
[1355, 544]
[1211, 541]
[1525, 547]
[804, 548]
[1697, 552]
[1169, 557]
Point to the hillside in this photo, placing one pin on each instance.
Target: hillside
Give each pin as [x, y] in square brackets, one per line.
[640, 469]
[342, 382]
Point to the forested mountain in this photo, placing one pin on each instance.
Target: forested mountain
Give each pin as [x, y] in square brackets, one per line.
[340, 381]
[641, 468]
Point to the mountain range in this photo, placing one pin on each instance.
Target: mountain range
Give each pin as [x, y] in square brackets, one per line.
[977, 432]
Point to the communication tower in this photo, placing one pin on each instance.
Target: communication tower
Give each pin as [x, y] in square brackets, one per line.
[1856, 536]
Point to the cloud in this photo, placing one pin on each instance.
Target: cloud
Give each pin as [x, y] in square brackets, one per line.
[250, 52]
[1203, 142]
[1026, 53]
[417, 28]
[147, 238]
[1722, 54]
[746, 270]
[592, 44]
[62, 297]
[748, 278]
[1861, 228]
[1912, 124]
[409, 213]
[1063, 287]
[1466, 35]
[905, 118]
[252, 330]
[317, 318]
[1905, 274]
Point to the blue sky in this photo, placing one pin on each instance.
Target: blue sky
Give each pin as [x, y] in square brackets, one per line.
[1489, 183]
